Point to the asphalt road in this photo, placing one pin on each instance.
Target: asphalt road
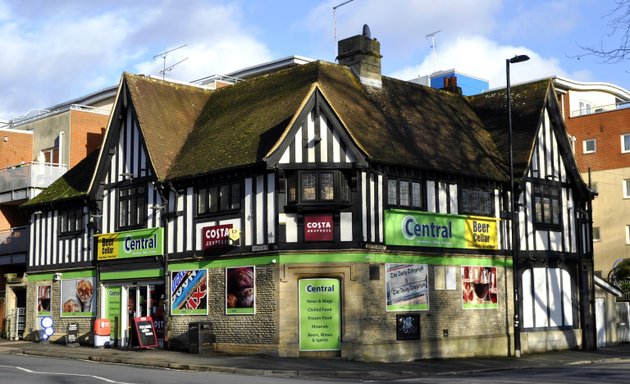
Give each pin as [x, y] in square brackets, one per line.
[42, 370]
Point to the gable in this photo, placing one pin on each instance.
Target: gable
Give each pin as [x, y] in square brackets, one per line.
[316, 136]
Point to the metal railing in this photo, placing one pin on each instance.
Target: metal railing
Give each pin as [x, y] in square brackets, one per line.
[14, 240]
[599, 109]
[30, 175]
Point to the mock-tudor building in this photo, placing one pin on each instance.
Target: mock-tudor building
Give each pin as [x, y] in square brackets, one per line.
[321, 210]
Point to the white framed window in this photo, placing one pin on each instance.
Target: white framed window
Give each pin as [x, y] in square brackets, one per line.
[627, 234]
[596, 235]
[625, 143]
[445, 277]
[589, 146]
[626, 188]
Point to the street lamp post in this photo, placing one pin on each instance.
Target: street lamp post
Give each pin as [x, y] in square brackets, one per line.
[514, 213]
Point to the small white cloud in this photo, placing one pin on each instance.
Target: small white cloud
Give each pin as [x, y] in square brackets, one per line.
[486, 59]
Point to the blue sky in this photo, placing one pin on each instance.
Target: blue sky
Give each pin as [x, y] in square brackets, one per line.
[55, 51]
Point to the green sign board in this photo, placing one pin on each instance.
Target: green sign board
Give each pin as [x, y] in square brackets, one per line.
[112, 302]
[320, 314]
[137, 243]
[424, 229]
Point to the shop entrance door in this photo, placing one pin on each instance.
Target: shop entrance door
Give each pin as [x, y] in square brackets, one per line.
[142, 301]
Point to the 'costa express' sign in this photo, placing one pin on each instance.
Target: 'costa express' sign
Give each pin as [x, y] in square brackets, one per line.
[318, 228]
[423, 229]
[137, 243]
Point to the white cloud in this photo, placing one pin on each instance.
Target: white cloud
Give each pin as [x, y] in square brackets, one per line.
[484, 58]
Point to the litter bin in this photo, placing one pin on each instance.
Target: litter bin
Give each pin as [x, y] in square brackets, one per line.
[200, 337]
[102, 332]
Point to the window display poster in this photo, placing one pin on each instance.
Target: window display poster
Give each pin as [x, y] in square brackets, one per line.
[43, 300]
[240, 291]
[320, 314]
[189, 292]
[479, 287]
[407, 287]
[77, 297]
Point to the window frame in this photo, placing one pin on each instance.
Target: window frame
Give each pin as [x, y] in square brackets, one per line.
[329, 187]
[409, 198]
[585, 149]
[623, 143]
[599, 235]
[625, 188]
[68, 215]
[462, 209]
[547, 192]
[136, 202]
[204, 206]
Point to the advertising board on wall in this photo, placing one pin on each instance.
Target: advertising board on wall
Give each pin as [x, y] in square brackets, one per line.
[320, 314]
[424, 229]
[218, 236]
[77, 297]
[43, 300]
[189, 292]
[129, 244]
[240, 295]
[407, 287]
[479, 287]
[318, 227]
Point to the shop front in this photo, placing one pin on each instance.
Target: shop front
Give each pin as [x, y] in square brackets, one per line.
[131, 277]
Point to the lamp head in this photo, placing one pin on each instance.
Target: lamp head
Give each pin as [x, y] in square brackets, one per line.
[518, 59]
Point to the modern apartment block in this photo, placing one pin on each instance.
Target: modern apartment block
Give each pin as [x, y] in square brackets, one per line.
[35, 150]
[597, 116]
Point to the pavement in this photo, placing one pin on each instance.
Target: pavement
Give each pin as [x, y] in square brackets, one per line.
[314, 368]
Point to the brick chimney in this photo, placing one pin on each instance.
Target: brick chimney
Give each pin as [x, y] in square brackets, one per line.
[363, 55]
[450, 84]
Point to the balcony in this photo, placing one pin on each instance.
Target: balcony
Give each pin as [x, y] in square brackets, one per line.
[13, 245]
[20, 182]
[590, 110]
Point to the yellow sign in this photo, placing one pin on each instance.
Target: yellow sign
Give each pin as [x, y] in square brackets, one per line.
[481, 232]
[107, 247]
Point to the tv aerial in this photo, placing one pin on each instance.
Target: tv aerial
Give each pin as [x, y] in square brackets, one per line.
[163, 56]
[432, 37]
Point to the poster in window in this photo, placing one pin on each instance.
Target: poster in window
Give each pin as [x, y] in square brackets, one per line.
[77, 297]
[189, 292]
[43, 300]
[240, 295]
[407, 287]
[479, 287]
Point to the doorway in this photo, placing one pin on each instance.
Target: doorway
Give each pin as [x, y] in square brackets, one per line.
[142, 300]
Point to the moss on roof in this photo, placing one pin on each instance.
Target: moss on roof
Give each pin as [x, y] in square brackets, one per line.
[72, 185]
[400, 123]
[167, 112]
[528, 101]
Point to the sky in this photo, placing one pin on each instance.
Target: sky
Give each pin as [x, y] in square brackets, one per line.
[56, 51]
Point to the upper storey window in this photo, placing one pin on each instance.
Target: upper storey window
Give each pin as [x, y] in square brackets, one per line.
[71, 221]
[318, 187]
[476, 201]
[132, 206]
[220, 198]
[404, 193]
[547, 203]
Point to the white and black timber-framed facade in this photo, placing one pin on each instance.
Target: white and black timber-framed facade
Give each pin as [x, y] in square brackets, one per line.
[312, 212]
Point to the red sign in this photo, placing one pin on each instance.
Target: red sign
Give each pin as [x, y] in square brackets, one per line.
[216, 236]
[318, 228]
[145, 332]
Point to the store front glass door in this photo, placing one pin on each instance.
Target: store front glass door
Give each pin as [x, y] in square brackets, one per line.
[146, 300]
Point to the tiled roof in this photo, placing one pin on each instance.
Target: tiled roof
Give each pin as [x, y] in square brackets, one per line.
[73, 184]
[167, 112]
[400, 123]
[528, 101]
